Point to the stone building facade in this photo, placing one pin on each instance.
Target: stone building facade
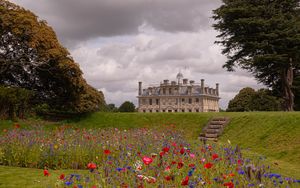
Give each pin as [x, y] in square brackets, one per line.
[178, 96]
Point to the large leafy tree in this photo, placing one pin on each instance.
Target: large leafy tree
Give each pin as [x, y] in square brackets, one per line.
[127, 107]
[242, 101]
[263, 37]
[250, 100]
[31, 57]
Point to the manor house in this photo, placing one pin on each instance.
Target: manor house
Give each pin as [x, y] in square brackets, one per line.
[178, 96]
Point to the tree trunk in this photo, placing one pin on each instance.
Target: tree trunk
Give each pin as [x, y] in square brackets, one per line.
[287, 82]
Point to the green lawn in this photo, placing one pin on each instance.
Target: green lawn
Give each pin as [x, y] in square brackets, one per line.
[275, 135]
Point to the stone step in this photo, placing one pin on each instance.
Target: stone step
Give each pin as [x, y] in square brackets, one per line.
[206, 139]
[211, 135]
[219, 119]
[217, 122]
[210, 126]
[213, 131]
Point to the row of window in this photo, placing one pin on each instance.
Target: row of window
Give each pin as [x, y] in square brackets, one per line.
[156, 101]
[182, 110]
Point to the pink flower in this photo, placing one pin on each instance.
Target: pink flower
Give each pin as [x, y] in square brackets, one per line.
[147, 160]
[192, 155]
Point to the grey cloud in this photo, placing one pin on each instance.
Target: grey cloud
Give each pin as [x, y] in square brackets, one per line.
[77, 20]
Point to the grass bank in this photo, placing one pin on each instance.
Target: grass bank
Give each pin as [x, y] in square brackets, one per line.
[275, 135]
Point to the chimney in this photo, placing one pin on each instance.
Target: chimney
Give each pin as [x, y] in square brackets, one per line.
[206, 90]
[185, 81]
[166, 82]
[202, 86]
[217, 89]
[140, 88]
[192, 82]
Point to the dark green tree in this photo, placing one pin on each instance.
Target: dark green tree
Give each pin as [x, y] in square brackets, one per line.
[250, 100]
[263, 100]
[127, 107]
[241, 102]
[112, 108]
[263, 37]
[31, 57]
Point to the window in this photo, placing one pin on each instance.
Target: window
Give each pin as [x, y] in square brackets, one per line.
[150, 101]
[164, 91]
[190, 101]
[170, 91]
[175, 110]
[150, 111]
[157, 101]
[157, 110]
[197, 110]
[190, 110]
[182, 110]
[144, 111]
[197, 100]
[182, 100]
[144, 101]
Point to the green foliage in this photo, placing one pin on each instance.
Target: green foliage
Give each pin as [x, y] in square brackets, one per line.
[31, 57]
[112, 108]
[262, 37]
[127, 107]
[14, 102]
[263, 100]
[242, 101]
[250, 100]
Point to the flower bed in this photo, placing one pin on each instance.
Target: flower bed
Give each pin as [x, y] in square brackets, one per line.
[134, 158]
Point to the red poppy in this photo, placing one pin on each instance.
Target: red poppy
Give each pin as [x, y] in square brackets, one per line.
[191, 165]
[209, 147]
[17, 126]
[182, 150]
[168, 178]
[180, 165]
[229, 185]
[173, 162]
[147, 160]
[208, 165]
[231, 175]
[92, 166]
[166, 149]
[174, 144]
[215, 156]
[185, 181]
[240, 162]
[107, 152]
[46, 172]
[62, 176]
[162, 153]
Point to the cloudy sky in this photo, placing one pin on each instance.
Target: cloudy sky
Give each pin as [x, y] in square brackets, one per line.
[120, 42]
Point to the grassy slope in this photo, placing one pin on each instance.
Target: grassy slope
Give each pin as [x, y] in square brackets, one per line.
[11, 177]
[272, 134]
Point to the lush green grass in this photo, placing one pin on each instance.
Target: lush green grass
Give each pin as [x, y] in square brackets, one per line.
[30, 178]
[275, 135]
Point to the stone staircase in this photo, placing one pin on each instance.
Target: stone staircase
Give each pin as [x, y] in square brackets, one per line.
[214, 128]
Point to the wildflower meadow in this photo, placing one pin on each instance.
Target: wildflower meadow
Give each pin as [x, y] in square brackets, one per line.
[139, 157]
